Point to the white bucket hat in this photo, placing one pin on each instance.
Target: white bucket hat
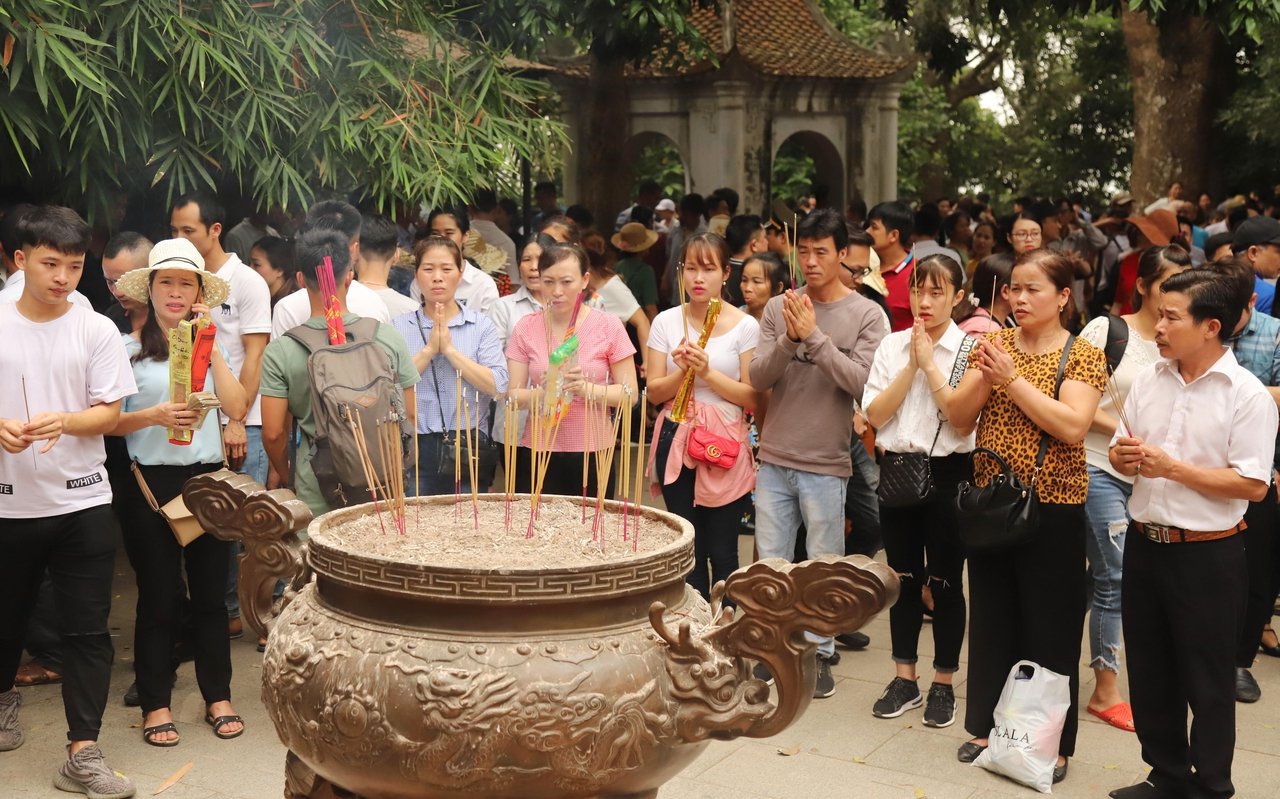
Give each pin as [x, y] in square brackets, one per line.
[174, 254]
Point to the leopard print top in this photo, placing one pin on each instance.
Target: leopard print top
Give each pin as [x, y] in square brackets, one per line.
[1004, 428]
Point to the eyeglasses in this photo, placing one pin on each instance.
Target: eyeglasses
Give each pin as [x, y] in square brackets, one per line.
[1026, 235]
[857, 271]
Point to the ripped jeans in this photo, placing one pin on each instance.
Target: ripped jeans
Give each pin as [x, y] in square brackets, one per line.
[922, 544]
[1107, 510]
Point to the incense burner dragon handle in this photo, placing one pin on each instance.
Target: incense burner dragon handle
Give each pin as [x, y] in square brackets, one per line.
[709, 669]
[235, 507]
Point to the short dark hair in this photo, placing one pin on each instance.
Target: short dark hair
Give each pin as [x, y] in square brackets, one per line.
[1239, 272]
[648, 187]
[1211, 295]
[484, 200]
[556, 253]
[379, 236]
[1215, 243]
[565, 223]
[642, 214]
[458, 213]
[729, 196]
[692, 203]
[928, 220]
[125, 240]
[895, 215]
[579, 213]
[859, 237]
[56, 227]
[310, 249]
[212, 211]
[824, 223]
[336, 215]
[9, 239]
[741, 230]
[546, 185]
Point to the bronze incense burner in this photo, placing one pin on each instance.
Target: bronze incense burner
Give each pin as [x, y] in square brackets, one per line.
[395, 680]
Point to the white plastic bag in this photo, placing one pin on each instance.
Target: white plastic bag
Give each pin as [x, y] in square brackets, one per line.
[1023, 745]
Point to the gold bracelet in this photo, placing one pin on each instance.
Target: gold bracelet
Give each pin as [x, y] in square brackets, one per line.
[939, 388]
[1008, 383]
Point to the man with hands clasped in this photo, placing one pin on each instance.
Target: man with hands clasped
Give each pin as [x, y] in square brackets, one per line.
[815, 350]
[1200, 449]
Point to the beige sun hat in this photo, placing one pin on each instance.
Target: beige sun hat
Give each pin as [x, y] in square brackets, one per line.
[486, 257]
[174, 254]
[634, 237]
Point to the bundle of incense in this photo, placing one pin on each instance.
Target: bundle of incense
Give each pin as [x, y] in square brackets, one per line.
[543, 448]
[457, 448]
[511, 419]
[472, 431]
[180, 374]
[202, 352]
[640, 457]
[1117, 400]
[417, 468]
[366, 463]
[332, 308]
[604, 463]
[391, 452]
[624, 470]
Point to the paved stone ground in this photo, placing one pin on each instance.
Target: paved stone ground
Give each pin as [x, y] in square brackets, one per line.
[843, 752]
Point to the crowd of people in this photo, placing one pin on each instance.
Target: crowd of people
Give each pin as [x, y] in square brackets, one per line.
[868, 367]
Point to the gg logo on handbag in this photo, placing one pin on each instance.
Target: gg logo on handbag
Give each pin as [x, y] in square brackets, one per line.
[713, 451]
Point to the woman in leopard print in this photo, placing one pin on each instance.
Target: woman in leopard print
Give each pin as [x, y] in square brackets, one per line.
[1028, 602]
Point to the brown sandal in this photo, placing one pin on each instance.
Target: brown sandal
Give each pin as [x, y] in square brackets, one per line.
[34, 674]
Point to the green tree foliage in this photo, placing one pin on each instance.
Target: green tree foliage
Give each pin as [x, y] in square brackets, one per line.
[659, 160]
[1252, 139]
[281, 98]
[793, 171]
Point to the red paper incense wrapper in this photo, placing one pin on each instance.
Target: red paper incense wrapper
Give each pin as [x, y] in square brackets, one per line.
[329, 297]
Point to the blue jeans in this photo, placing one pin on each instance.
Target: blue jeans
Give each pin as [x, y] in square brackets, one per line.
[786, 497]
[1107, 510]
[255, 466]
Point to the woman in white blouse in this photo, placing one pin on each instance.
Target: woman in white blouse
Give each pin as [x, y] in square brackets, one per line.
[911, 379]
[712, 496]
[1107, 505]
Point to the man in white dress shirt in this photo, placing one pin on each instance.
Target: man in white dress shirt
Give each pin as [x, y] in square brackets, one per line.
[1200, 448]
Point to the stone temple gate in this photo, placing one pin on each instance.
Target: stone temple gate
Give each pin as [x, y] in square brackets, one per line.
[783, 71]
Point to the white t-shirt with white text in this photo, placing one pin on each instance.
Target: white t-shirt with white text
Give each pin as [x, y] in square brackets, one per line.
[296, 308]
[246, 311]
[68, 364]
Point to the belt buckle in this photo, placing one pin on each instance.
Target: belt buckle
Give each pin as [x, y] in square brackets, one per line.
[1161, 533]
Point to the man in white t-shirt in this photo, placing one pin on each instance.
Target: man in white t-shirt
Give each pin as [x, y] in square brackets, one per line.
[361, 300]
[11, 276]
[243, 326]
[66, 374]
[379, 250]
[483, 208]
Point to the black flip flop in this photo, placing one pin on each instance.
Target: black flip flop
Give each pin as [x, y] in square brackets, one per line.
[221, 721]
[149, 733]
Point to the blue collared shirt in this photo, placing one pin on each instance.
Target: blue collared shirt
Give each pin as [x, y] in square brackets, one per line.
[1257, 349]
[476, 337]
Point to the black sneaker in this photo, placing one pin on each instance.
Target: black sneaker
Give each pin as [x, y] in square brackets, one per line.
[855, 640]
[901, 695]
[826, 684]
[761, 672]
[940, 707]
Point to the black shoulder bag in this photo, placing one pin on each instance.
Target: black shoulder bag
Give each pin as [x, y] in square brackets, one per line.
[1004, 512]
[905, 477]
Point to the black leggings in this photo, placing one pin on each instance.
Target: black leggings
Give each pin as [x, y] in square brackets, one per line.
[923, 546]
[1028, 603]
[158, 562]
[715, 531]
[78, 550]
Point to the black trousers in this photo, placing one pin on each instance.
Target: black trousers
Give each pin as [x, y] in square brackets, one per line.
[1028, 603]
[158, 565]
[922, 544]
[1181, 606]
[43, 641]
[1260, 573]
[715, 531]
[78, 551]
[564, 474]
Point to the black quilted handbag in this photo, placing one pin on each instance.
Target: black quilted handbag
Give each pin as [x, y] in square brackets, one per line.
[905, 477]
[1004, 512]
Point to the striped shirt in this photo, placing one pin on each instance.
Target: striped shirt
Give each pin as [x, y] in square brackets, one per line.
[475, 337]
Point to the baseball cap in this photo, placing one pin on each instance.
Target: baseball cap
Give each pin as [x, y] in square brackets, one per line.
[666, 204]
[1254, 231]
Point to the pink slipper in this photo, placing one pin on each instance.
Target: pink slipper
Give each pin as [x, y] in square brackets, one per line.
[1119, 715]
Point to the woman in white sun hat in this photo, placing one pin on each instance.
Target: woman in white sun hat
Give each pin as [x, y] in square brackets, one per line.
[176, 287]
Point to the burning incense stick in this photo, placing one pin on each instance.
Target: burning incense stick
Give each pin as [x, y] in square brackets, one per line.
[624, 471]
[35, 464]
[457, 447]
[362, 450]
[1113, 391]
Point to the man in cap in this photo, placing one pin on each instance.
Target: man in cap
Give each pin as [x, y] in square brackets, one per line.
[1257, 239]
[664, 215]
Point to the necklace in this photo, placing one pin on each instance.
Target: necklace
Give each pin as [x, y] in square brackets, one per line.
[1021, 341]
